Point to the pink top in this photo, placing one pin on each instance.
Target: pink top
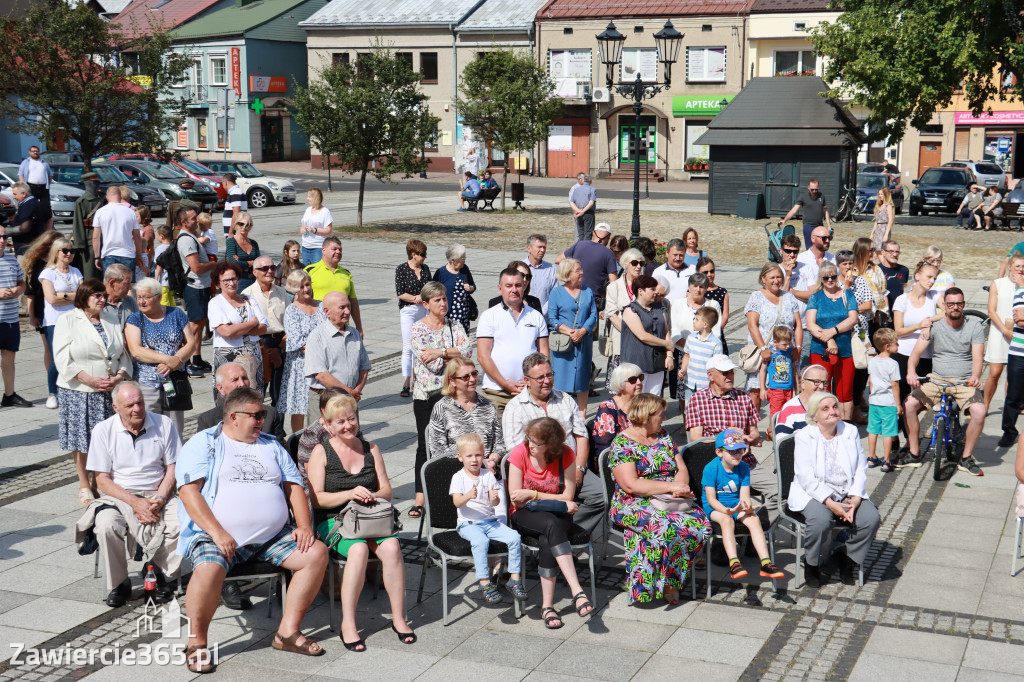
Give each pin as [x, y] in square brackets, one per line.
[545, 481]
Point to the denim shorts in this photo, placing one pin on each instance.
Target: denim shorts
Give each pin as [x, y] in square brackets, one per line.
[274, 551]
[197, 301]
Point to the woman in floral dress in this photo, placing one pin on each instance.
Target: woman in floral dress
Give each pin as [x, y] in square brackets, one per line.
[300, 318]
[660, 545]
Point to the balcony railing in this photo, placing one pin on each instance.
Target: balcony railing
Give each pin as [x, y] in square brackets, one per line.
[197, 95]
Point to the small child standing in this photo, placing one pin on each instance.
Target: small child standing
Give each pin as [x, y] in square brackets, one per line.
[480, 506]
[207, 237]
[776, 374]
[884, 406]
[726, 498]
[164, 235]
[700, 345]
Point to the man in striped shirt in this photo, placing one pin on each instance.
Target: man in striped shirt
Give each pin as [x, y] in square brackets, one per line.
[793, 415]
[235, 202]
[1014, 374]
[12, 286]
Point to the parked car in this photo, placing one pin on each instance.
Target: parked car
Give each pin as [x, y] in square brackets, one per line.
[940, 190]
[71, 174]
[62, 196]
[193, 169]
[988, 174]
[868, 185]
[171, 180]
[260, 190]
[892, 171]
[62, 157]
[7, 209]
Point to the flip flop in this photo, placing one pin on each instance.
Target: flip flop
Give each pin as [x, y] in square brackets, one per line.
[291, 645]
[415, 511]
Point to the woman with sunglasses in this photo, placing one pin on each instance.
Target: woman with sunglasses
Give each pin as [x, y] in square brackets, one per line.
[58, 281]
[913, 314]
[237, 324]
[618, 295]
[719, 295]
[434, 340]
[857, 286]
[831, 319]
[612, 416]
[767, 307]
[241, 250]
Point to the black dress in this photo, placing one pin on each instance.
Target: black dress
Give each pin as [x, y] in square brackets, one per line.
[650, 359]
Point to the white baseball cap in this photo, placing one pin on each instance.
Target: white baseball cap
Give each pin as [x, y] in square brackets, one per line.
[720, 362]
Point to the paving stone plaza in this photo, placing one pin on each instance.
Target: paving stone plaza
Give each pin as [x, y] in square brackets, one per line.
[938, 602]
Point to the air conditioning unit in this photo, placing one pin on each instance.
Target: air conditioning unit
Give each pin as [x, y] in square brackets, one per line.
[600, 95]
[583, 90]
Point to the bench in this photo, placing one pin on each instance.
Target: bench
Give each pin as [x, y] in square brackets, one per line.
[486, 197]
[1012, 211]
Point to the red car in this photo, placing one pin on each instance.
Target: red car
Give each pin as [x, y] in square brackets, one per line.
[195, 170]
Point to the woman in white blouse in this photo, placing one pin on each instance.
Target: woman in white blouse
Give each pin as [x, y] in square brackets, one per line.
[59, 280]
[830, 475]
[317, 223]
[237, 324]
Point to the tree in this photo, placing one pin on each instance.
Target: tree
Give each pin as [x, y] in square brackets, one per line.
[903, 60]
[508, 101]
[372, 119]
[65, 68]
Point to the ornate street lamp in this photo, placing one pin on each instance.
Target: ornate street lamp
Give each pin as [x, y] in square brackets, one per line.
[610, 42]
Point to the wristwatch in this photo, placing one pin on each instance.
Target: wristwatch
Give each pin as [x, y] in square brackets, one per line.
[582, 470]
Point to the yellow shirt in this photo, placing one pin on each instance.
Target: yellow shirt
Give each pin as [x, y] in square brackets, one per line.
[324, 280]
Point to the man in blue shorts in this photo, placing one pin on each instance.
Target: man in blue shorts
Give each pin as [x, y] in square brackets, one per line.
[236, 487]
[470, 190]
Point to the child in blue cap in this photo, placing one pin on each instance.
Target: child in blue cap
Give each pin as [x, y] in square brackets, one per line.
[726, 498]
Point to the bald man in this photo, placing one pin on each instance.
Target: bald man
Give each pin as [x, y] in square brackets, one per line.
[115, 235]
[272, 300]
[335, 355]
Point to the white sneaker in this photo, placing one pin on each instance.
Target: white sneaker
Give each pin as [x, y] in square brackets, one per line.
[51, 402]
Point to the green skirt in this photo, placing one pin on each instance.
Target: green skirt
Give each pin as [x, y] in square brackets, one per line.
[342, 545]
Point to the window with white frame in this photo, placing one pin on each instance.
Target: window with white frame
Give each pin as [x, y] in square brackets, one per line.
[218, 70]
[567, 68]
[705, 64]
[642, 60]
[795, 63]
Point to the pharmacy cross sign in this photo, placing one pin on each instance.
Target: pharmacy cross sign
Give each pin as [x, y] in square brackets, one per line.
[257, 106]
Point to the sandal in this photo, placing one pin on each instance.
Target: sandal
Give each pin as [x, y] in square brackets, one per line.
[888, 468]
[490, 592]
[548, 620]
[403, 637]
[354, 646]
[405, 392]
[586, 604]
[874, 462]
[291, 645]
[516, 589]
[415, 511]
[192, 655]
[671, 596]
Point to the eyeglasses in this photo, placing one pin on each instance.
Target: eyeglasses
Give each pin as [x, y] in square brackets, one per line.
[258, 416]
[466, 377]
[818, 382]
[527, 277]
[144, 298]
[955, 304]
[263, 268]
[543, 377]
[66, 252]
[232, 280]
[635, 263]
[99, 294]
[633, 380]
[829, 278]
[825, 238]
[894, 252]
[708, 272]
[791, 251]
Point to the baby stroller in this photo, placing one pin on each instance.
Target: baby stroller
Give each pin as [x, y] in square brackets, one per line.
[775, 240]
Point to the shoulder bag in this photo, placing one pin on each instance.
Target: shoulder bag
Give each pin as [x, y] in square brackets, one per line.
[750, 354]
[553, 506]
[858, 348]
[559, 342]
[361, 521]
[175, 388]
[666, 503]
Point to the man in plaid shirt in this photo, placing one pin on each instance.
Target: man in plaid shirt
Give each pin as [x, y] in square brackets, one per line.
[713, 409]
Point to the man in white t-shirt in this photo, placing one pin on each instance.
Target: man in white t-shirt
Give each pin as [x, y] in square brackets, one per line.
[674, 275]
[132, 455]
[235, 202]
[505, 335]
[115, 236]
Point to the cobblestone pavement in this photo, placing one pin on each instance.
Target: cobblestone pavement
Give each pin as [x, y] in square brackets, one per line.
[937, 603]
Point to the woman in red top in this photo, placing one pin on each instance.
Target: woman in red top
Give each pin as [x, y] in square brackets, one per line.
[537, 472]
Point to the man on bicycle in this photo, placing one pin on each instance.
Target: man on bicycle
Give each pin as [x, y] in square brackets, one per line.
[957, 347]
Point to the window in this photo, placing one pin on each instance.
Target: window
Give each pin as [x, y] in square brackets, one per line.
[428, 67]
[642, 60]
[405, 57]
[218, 70]
[567, 31]
[998, 152]
[567, 68]
[799, 25]
[705, 64]
[431, 144]
[638, 29]
[705, 28]
[201, 136]
[795, 63]
[1009, 82]
[221, 135]
[197, 71]
[339, 58]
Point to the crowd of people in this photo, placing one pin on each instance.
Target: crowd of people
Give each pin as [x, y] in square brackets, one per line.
[833, 340]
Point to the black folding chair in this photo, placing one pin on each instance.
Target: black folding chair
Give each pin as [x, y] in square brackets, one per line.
[444, 544]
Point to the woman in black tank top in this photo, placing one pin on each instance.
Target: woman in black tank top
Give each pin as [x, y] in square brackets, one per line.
[340, 470]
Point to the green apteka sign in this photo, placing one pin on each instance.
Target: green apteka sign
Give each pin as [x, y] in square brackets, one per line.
[702, 105]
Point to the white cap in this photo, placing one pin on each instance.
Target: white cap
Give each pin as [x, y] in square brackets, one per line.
[603, 227]
[720, 362]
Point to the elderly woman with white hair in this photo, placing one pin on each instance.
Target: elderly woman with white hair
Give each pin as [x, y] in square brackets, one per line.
[612, 416]
[572, 318]
[829, 484]
[618, 295]
[458, 282]
[161, 341]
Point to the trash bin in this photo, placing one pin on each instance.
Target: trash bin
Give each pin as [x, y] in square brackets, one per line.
[518, 191]
[750, 206]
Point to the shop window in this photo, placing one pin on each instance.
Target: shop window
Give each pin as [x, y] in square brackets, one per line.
[428, 67]
[999, 150]
[218, 71]
[705, 64]
[795, 63]
[567, 68]
[643, 60]
[201, 134]
[1009, 83]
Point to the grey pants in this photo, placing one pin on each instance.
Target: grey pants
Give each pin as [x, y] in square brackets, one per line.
[763, 478]
[818, 532]
[585, 226]
[590, 498]
[151, 396]
[111, 527]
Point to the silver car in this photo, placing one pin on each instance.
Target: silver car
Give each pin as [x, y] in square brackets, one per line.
[62, 197]
[989, 174]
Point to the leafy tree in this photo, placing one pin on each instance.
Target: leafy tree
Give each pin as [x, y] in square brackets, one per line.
[371, 119]
[508, 101]
[903, 60]
[67, 69]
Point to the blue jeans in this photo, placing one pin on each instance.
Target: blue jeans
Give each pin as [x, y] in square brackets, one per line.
[127, 262]
[310, 256]
[480, 534]
[808, 229]
[51, 371]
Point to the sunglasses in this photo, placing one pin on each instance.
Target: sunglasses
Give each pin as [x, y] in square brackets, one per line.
[633, 380]
[243, 224]
[466, 377]
[791, 251]
[3, 237]
[66, 252]
[955, 304]
[826, 238]
[264, 268]
[708, 272]
[829, 278]
[258, 416]
[635, 263]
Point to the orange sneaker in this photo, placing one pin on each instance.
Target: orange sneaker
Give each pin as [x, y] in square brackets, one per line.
[770, 570]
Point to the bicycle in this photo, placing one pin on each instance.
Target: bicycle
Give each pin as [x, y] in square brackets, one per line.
[850, 206]
[947, 441]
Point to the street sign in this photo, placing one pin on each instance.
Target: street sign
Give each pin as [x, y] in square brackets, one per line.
[268, 84]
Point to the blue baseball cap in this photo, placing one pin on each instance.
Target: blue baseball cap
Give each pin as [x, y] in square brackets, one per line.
[730, 439]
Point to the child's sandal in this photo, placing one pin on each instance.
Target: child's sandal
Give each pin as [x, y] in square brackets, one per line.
[491, 594]
[874, 462]
[516, 589]
[888, 468]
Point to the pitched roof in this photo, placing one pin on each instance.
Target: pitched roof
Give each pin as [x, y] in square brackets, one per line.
[234, 20]
[581, 9]
[146, 15]
[363, 13]
[788, 111]
[503, 15]
[778, 6]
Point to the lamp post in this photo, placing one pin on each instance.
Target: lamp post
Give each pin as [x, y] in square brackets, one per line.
[610, 41]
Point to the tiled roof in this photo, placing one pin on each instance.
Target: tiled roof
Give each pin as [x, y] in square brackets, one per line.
[582, 9]
[341, 13]
[144, 15]
[503, 14]
[773, 6]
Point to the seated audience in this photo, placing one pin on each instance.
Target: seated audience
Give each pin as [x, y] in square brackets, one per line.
[612, 417]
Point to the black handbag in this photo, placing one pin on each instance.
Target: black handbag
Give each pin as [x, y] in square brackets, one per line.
[179, 398]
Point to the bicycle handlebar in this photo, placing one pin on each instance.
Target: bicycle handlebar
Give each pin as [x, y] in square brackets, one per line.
[942, 382]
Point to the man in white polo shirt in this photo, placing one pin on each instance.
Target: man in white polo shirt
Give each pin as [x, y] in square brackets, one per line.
[505, 335]
[115, 235]
[674, 276]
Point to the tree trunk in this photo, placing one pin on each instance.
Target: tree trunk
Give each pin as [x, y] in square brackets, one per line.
[504, 184]
[362, 190]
